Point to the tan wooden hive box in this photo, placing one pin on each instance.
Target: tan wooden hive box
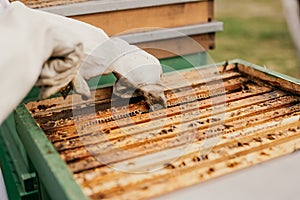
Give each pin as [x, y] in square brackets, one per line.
[194, 18]
[221, 119]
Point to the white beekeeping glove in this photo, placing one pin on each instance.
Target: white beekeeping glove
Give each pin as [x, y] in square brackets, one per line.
[142, 73]
[138, 72]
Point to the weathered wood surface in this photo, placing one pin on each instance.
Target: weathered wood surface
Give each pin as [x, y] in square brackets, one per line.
[48, 3]
[220, 121]
[149, 18]
[179, 46]
[140, 19]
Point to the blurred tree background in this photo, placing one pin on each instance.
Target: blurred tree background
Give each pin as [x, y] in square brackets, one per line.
[256, 31]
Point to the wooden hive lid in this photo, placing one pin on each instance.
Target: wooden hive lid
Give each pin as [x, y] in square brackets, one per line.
[48, 3]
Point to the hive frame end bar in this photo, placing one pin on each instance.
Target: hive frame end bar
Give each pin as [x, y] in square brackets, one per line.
[272, 77]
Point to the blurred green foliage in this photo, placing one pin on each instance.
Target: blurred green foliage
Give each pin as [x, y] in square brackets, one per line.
[255, 31]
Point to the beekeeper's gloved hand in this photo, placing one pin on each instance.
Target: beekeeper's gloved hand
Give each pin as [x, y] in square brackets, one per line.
[137, 72]
[55, 50]
[142, 72]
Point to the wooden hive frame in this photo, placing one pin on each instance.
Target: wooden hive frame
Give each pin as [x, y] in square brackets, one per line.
[261, 123]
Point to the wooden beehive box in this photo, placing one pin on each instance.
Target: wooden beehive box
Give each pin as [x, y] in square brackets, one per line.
[191, 18]
[219, 120]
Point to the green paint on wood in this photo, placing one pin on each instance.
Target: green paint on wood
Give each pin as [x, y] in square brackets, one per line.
[52, 170]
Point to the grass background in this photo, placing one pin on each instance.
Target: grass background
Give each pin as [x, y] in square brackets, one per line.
[256, 31]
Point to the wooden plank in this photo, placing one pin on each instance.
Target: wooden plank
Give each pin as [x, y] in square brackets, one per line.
[268, 129]
[174, 99]
[233, 104]
[178, 175]
[92, 6]
[179, 46]
[273, 78]
[138, 147]
[171, 33]
[142, 19]
[66, 131]
[116, 22]
[195, 76]
[48, 3]
[80, 7]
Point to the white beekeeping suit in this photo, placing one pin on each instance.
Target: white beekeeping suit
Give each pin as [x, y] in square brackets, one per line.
[50, 51]
[292, 14]
[3, 194]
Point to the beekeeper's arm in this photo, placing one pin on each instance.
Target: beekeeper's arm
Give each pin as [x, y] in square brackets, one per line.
[51, 51]
[292, 14]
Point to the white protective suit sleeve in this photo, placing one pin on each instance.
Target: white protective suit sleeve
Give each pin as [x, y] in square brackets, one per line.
[292, 14]
[51, 51]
